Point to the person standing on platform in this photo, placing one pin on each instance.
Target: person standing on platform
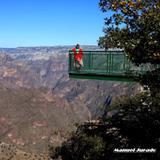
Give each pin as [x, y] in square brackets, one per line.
[78, 56]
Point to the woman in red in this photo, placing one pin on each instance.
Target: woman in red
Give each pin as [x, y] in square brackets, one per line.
[78, 56]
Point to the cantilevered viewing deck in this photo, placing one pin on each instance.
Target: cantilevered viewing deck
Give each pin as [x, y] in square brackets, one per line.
[106, 65]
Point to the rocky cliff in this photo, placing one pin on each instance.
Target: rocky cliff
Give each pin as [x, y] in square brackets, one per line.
[39, 104]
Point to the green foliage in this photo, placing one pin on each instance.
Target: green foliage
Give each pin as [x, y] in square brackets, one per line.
[135, 124]
[133, 25]
[81, 146]
[152, 81]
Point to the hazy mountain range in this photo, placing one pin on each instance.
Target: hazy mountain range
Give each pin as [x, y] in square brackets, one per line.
[39, 104]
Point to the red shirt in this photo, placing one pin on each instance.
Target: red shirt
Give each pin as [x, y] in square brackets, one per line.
[79, 55]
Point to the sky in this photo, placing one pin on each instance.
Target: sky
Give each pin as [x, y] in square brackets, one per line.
[50, 22]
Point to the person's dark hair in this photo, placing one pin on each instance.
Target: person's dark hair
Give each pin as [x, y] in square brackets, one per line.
[77, 46]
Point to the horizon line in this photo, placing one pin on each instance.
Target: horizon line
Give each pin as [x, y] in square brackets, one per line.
[49, 46]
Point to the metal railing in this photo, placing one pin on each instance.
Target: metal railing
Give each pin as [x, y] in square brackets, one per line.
[110, 63]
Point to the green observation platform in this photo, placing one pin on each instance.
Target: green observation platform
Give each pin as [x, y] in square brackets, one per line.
[107, 65]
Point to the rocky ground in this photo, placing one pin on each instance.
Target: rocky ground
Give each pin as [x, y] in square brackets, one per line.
[10, 152]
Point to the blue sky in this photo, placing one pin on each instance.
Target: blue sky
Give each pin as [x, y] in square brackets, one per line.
[50, 22]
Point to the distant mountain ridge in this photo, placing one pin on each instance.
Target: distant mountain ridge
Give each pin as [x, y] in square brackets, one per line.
[31, 53]
[45, 48]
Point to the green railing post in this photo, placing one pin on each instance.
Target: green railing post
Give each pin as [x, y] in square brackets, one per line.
[106, 63]
[89, 60]
[109, 63]
[112, 58]
[92, 60]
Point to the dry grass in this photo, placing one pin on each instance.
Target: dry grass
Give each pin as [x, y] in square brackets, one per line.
[10, 152]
